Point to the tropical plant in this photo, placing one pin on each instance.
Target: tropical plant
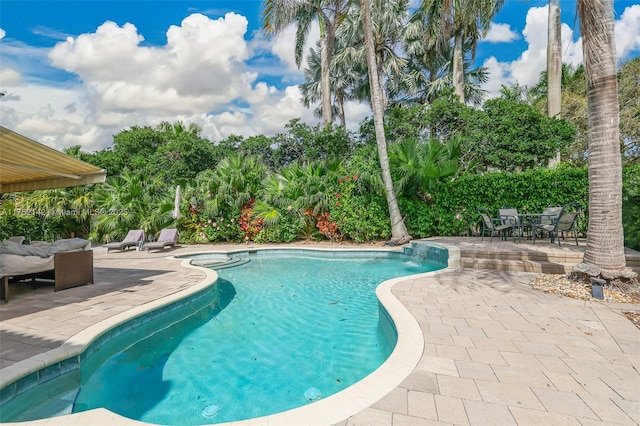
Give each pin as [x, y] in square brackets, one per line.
[345, 79]
[399, 232]
[65, 212]
[461, 21]
[604, 254]
[388, 22]
[629, 98]
[279, 14]
[131, 201]
[418, 165]
[303, 191]
[358, 213]
[430, 71]
[179, 128]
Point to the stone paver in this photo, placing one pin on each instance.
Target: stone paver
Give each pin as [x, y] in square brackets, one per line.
[495, 351]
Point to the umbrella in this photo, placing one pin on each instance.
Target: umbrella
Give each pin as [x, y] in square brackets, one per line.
[176, 204]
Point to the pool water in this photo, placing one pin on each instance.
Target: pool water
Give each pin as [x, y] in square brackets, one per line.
[288, 330]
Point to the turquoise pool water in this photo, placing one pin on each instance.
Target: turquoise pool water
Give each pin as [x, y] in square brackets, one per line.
[286, 330]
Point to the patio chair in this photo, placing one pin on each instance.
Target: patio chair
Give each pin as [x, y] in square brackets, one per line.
[568, 219]
[168, 238]
[134, 238]
[510, 215]
[548, 222]
[18, 239]
[494, 225]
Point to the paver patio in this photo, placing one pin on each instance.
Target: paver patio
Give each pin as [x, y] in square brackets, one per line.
[495, 351]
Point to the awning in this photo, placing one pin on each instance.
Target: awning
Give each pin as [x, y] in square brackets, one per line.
[27, 165]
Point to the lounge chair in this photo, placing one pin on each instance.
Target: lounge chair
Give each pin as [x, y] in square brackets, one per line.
[18, 239]
[494, 225]
[548, 222]
[168, 238]
[134, 238]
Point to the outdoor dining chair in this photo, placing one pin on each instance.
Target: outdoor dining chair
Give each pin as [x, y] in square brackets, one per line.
[495, 225]
[510, 216]
[568, 219]
[548, 222]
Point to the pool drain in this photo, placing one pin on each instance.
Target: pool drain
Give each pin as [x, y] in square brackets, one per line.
[312, 394]
[210, 411]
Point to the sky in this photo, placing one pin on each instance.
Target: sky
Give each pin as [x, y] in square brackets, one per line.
[77, 72]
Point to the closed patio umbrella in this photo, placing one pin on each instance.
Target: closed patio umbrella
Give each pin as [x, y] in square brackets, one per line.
[176, 204]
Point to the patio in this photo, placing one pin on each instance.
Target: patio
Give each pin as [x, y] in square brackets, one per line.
[494, 351]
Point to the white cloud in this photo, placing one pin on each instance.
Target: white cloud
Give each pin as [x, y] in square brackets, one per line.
[283, 46]
[500, 75]
[202, 64]
[526, 69]
[2, 33]
[627, 32]
[500, 33]
[9, 77]
[198, 76]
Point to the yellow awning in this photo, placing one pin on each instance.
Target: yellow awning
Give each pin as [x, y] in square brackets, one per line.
[27, 165]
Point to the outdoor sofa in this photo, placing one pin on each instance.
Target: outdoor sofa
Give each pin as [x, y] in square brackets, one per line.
[69, 262]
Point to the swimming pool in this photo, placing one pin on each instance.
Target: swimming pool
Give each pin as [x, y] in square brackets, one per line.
[156, 364]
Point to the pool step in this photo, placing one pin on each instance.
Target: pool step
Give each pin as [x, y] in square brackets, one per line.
[210, 261]
[219, 262]
[231, 264]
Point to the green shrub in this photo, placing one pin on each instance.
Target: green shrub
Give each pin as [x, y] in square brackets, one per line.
[282, 232]
[451, 208]
[33, 228]
[360, 216]
[631, 206]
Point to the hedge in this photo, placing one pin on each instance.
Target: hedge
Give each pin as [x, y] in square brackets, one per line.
[451, 208]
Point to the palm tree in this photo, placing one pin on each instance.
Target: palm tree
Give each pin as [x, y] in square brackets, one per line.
[179, 128]
[554, 66]
[420, 164]
[343, 76]
[460, 22]
[429, 73]
[604, 254]
[388, 22]
[279, 14]
[301, 190]
[399, 233]
[129, 201]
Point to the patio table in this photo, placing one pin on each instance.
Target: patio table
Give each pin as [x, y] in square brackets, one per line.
[531, 220]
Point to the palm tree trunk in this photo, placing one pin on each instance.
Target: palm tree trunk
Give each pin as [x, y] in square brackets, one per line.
[554, 67]
[399, 234]
[343, 118]
[324, 81]
[604, 255]
[458, 67]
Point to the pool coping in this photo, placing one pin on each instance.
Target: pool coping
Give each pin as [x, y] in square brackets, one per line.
[329, 410]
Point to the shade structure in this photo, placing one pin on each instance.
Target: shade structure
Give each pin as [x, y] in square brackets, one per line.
[27, 165]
